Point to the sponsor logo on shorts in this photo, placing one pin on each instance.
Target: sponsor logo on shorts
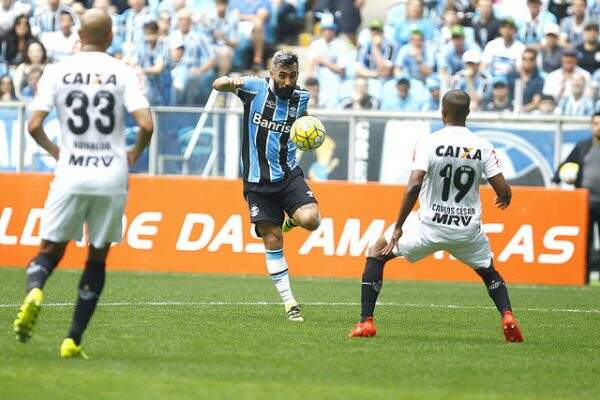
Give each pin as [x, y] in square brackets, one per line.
[254, 210]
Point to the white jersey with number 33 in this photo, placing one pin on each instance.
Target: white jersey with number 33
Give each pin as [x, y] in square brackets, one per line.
[454, 159]
[91, 91]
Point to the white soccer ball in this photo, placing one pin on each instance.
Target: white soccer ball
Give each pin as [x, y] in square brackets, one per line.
[568, 172]
[307, 133]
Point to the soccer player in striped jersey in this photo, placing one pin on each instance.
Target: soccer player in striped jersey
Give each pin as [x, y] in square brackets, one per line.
[273, 182]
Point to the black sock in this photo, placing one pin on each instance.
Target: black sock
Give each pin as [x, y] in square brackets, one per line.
[90, 287]
[496, 288]
[372, 280]
[39, 269]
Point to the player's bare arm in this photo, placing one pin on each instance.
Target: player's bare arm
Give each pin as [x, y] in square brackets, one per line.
[36, 130]
[143, 119]
[408, 203]
[228, 84]
[502, 189]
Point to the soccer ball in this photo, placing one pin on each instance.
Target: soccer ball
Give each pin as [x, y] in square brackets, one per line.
[568, 172]
[307, 133]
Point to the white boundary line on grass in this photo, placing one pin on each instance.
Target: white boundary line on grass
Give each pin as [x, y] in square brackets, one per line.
[326, 304]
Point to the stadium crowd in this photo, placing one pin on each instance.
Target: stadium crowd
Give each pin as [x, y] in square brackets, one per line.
[528, 56]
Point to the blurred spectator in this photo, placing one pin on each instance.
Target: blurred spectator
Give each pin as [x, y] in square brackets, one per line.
[414, 20]
[433, 103]
[588, 53]
[223, 29]
[485, 24]
[361, 99]
[577, 104]
[375, 56]
[547, 106]
[254, 21]
[14, 46]
[34, 57]
[448, 29]
[415, 59]
[472, 79]
[311, 84]
[327, 56]
[500, 56]
[586, 155]
[532, 32]
[164, 24]
[116, 47]
[289, 19]
[500, 99]
[451, 56]
[61, 43]
[558, 83]
[347, 15]
[572, 26]
[531, 82]
[178, 69]
[403, 100]
[47, 19]
[199, 59]
[551, 51]
[594, 10]
[9, 11]
[152, 61]
[132, 25]
[559, 8]
[33, 77]
[7, 89]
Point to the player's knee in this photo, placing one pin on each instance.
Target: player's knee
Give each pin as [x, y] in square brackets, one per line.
[312, 222]
[375, 249]
[273, 241]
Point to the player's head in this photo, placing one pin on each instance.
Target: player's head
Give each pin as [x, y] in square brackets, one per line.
[596, 125]
[455, 107]
[284, 73]
[96, 29]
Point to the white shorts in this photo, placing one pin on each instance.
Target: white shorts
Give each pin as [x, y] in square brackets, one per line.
[416, 244]
[65, 214]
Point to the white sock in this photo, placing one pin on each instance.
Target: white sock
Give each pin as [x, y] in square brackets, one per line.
[278, 269]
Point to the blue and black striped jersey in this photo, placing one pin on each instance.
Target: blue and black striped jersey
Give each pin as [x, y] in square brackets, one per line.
[268, 154]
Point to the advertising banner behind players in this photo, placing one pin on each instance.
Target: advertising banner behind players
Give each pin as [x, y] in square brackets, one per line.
[193, 225]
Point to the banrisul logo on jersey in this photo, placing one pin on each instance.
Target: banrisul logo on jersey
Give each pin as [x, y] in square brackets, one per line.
[281, 127]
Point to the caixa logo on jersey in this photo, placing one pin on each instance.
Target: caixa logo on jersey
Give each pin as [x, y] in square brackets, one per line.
[281, 127]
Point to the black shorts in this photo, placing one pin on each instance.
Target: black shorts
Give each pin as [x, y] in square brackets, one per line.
[269, 201]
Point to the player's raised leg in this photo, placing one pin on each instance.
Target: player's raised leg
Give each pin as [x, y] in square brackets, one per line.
[278, 268]
[38, 271]
[498, 291]
[89, 290]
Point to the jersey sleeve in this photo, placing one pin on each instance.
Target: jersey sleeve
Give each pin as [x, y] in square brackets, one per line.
[420, 160]
[491, 162]
[46, 90]
[133, 94]
[252, 85]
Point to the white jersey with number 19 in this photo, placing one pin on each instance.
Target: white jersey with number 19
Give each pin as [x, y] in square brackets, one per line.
[91, 91]
[454, 159]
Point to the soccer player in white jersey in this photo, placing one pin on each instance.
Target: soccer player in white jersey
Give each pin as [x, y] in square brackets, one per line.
[91, 91]
[446, 170]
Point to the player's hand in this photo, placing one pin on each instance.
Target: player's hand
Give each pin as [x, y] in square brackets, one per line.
[55, 152]
[501, 203]
[389, 248]
[132, 157]
[236, 82]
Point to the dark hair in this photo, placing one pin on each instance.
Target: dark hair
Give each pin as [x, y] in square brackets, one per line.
[455, 104]
[44, 56]
[532, 51]
[65, 12]
[151, 26]
[285, 58]
[592, 26]
[547, 97]
[596, 114]
[311, 81]
[12, 54]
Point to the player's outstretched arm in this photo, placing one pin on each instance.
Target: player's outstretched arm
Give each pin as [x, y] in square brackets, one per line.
[502, 189]
[143, 119]
[228, 84]
[36, 130]
[408, 202]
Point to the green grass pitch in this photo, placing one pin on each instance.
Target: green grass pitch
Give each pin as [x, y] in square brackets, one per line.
[180, 336]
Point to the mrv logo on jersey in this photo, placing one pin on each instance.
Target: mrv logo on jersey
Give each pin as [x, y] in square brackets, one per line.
[90, 161]
[281, 127]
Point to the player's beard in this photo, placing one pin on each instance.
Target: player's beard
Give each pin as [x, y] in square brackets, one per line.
[284, 92]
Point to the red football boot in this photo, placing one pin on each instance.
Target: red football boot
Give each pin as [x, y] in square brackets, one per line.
[364, 329]
[510, 327]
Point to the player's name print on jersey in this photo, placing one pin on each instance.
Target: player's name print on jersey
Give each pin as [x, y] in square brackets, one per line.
[468, 153]
[82, 78]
